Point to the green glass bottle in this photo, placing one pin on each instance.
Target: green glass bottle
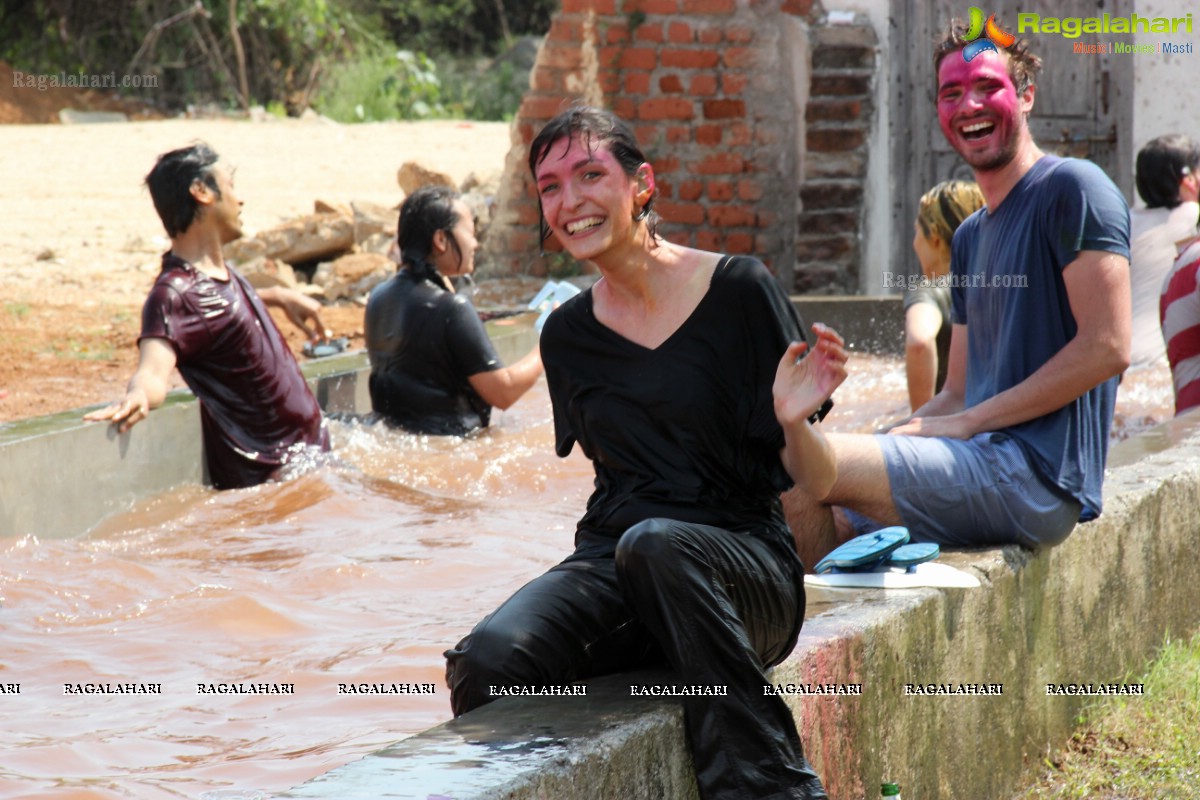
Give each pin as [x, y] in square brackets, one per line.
[890, 790]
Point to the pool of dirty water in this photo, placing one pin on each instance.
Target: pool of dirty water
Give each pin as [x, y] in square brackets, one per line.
[358, 574]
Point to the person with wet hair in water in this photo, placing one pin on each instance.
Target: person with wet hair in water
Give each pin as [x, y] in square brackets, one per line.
[257, 413]
[683, 376]
[433, 368]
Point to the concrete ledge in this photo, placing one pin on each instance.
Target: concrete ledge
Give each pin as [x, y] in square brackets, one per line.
[1092, 610]
[1088, 611]
[604, 745]
[62, 475]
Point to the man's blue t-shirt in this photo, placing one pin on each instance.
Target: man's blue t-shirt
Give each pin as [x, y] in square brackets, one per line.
[1008, 289]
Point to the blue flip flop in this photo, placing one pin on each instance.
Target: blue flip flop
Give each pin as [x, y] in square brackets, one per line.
[909, 555]
[864, 552]
[326, 347]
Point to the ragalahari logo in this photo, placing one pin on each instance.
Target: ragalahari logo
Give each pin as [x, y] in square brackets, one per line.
[995, 35]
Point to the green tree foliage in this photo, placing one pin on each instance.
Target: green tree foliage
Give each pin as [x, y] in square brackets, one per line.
[381, 85]
[285, 53]
[465, 27]
[198, 49]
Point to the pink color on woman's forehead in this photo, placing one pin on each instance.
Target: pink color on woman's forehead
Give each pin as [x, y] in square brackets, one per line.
[568, 153]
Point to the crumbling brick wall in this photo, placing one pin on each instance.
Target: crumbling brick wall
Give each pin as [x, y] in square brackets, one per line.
[839, 114]
[712, 89]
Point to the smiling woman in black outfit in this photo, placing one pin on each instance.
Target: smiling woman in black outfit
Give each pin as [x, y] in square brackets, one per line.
[680, 375]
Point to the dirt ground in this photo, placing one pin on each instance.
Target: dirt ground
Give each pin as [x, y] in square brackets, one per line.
[80, 242]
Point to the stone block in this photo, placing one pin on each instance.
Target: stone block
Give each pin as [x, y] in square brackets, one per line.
[371, 219]
[830, 195]
[832, 140]
[843, 57]
[413, 176]
[843, 222]
[353, 275]
[330, 207]
[844, 36]
[724, 109]
[482, 207]
[835, 165]
[824, 247]
[731, 216]
[308, 238]
[264, 272]
[830, 110]
[381, 243]
[820, 279]
[835, 85]
[798, 8]
[688, 58]
[488, 183]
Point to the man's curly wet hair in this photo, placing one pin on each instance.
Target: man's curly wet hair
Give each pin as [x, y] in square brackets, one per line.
[1023, 66]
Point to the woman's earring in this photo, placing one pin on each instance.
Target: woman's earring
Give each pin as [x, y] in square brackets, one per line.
[641, 215]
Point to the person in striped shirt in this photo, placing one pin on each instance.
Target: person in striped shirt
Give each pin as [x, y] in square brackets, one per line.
[1179, 310]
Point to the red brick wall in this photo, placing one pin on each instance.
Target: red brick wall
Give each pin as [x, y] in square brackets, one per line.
[707, 87]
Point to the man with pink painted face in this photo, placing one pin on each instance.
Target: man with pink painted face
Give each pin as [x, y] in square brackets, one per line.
[1012, 449]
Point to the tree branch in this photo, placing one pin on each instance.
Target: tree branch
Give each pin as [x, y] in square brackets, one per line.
[240, 54]
[151, 38]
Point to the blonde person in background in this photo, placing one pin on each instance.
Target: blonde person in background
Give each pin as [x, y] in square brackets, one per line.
[927, 306]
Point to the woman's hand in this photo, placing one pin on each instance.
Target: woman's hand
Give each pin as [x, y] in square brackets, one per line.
[804, 382]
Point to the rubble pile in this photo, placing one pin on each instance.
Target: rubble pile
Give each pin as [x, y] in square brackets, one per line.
[341, 251]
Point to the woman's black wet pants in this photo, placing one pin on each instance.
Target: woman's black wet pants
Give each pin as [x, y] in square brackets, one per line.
[717, 607]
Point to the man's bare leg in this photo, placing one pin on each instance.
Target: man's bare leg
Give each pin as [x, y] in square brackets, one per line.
[862, 484]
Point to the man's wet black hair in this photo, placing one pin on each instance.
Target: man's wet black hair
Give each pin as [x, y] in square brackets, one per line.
[1161, 165]
[425, 212]
[594, 127]
[170, 185]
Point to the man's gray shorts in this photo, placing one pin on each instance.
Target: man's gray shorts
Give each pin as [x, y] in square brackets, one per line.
[977, 492]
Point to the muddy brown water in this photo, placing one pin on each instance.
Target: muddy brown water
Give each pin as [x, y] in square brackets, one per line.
[361, 574]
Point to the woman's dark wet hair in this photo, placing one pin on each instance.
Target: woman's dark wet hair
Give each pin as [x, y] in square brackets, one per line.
[170, 185]
[425, 212]
[594, 127]
[1161, 165]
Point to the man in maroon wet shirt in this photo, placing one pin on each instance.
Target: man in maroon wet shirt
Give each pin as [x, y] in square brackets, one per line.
[256, 410]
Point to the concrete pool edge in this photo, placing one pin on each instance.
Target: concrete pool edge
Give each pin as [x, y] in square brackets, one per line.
[1090, 611]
